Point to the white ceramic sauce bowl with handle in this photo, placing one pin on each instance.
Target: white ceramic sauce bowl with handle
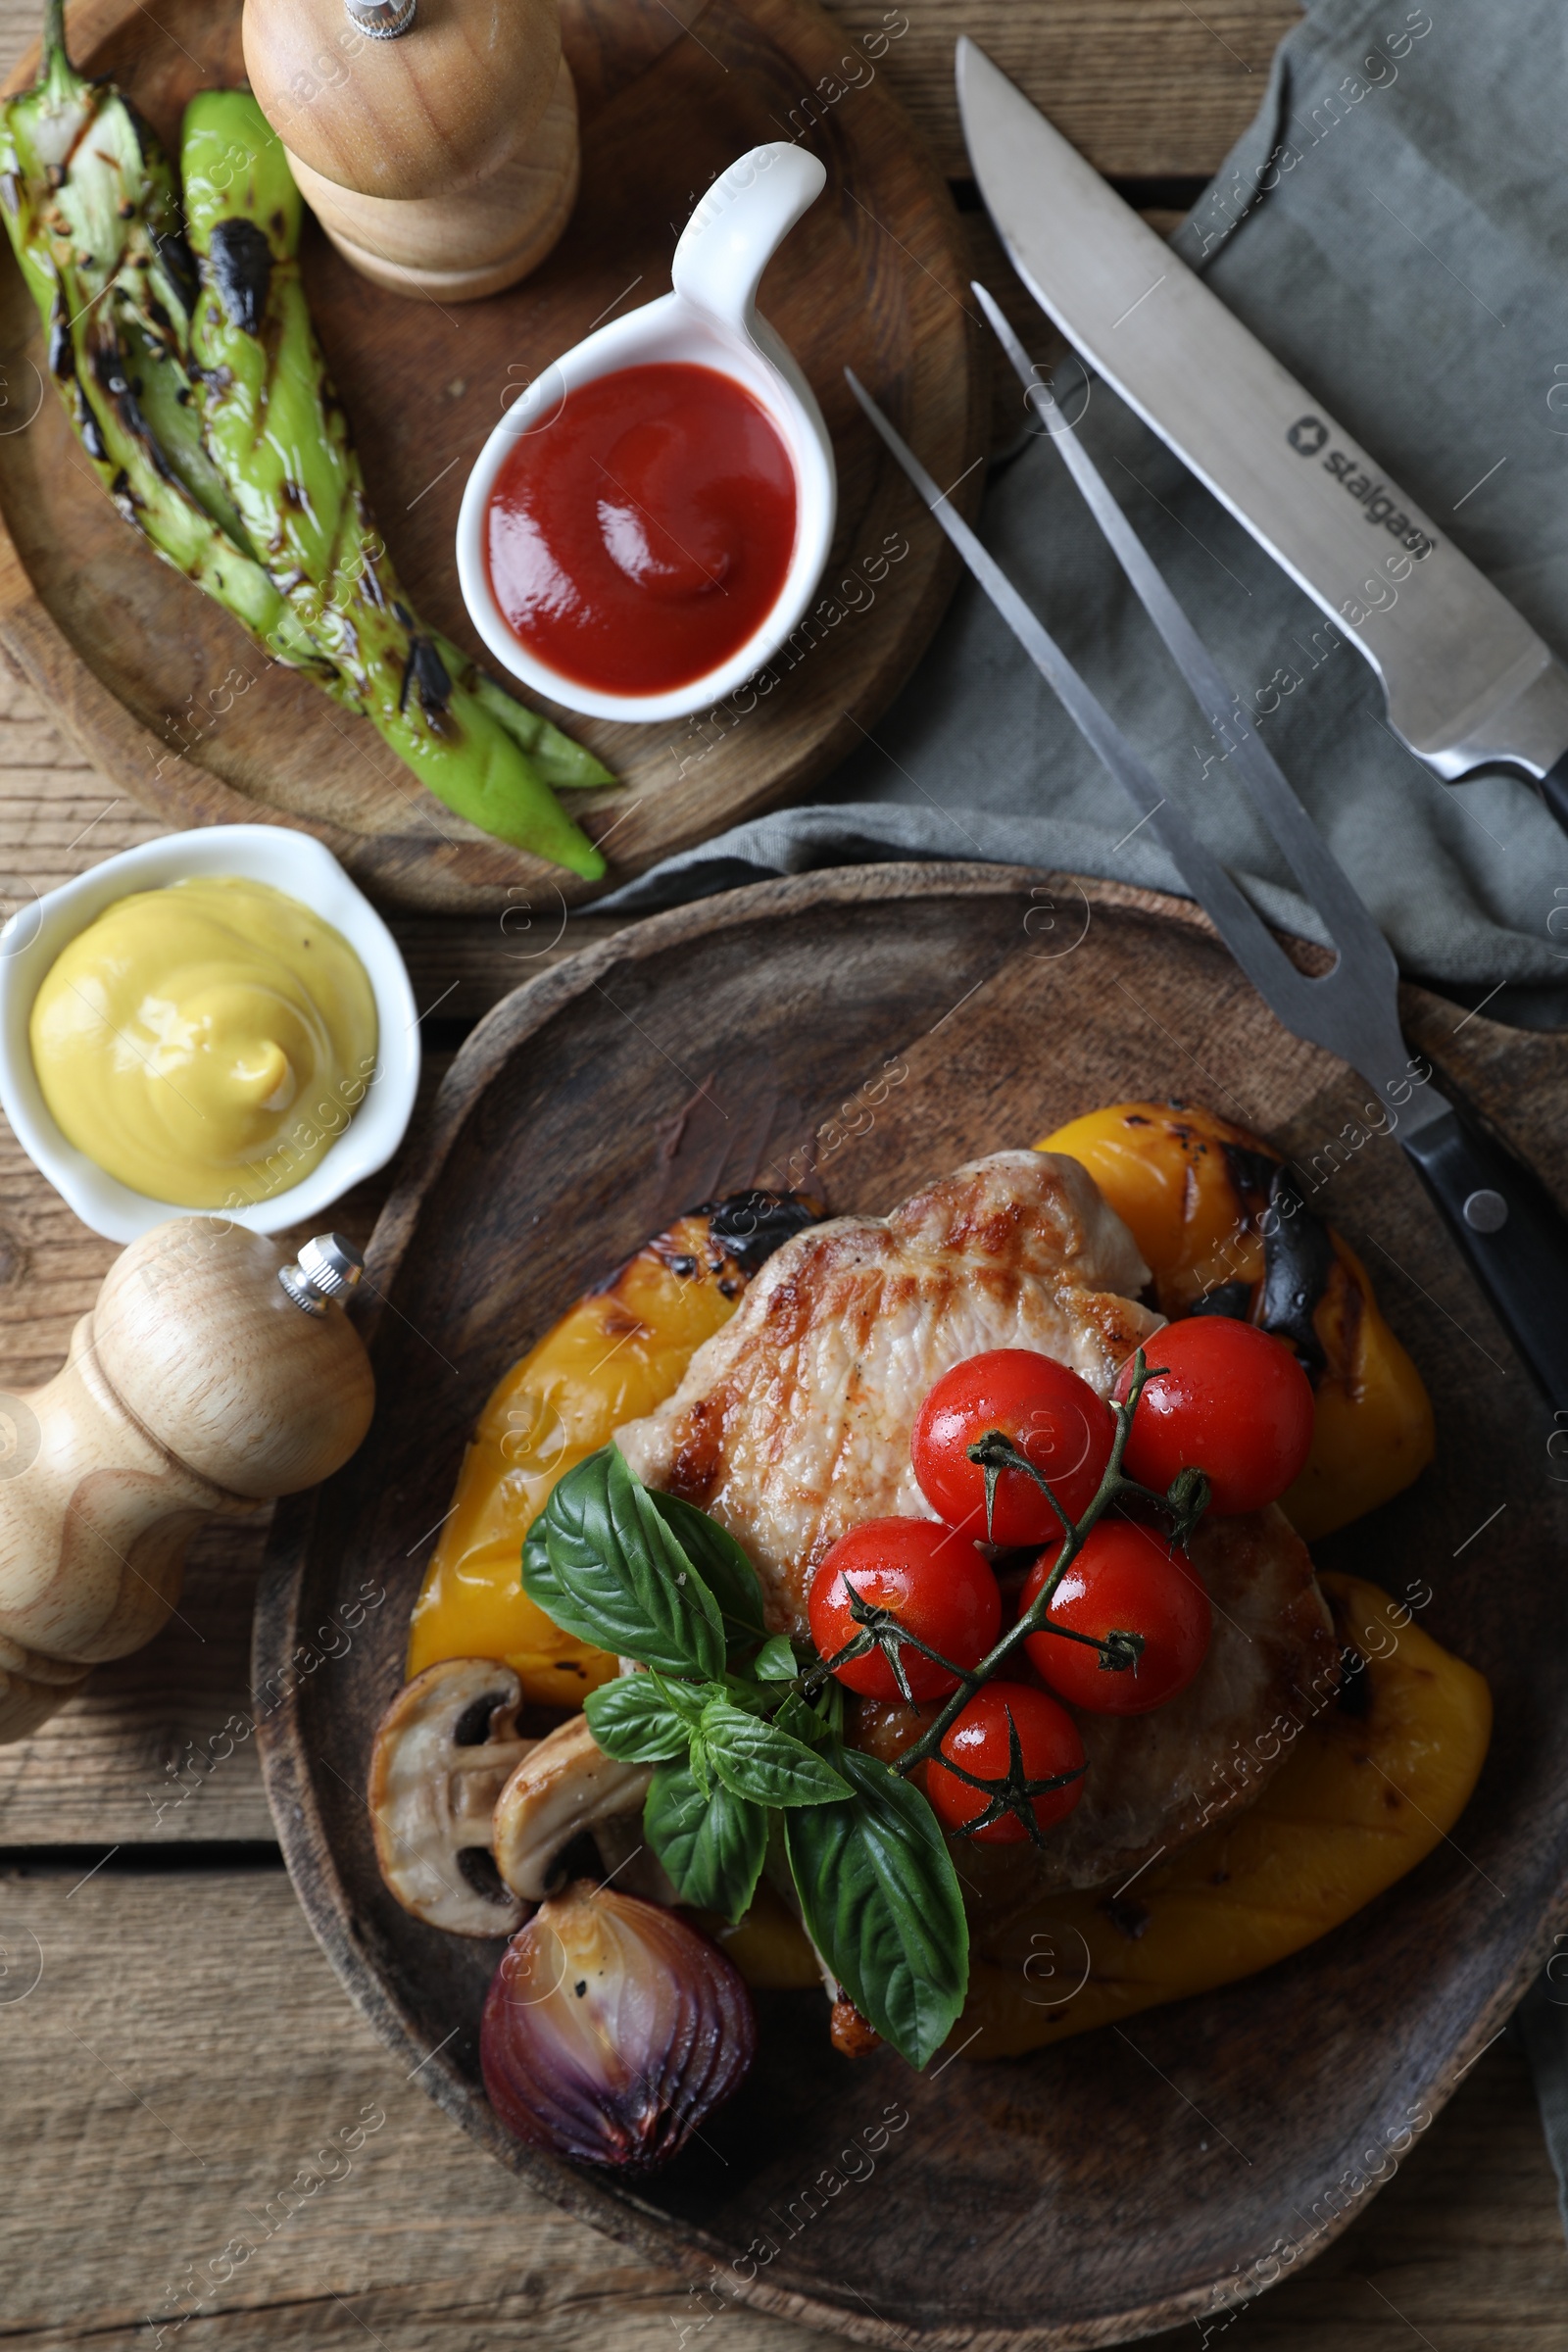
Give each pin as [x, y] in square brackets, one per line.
[295, 862]
[709, 320]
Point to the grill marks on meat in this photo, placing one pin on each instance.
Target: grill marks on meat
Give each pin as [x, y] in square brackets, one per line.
[793, 1423]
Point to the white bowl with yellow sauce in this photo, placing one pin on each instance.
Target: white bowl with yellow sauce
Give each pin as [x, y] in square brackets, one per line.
[217, 1022]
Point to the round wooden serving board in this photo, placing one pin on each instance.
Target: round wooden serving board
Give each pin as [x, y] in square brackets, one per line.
[174, 703]
[1103, 2189]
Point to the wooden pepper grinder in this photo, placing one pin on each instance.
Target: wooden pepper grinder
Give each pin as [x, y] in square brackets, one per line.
[210, 1376]
[436, 140]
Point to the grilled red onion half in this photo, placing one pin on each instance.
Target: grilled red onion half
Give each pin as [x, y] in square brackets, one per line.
[611, 2029]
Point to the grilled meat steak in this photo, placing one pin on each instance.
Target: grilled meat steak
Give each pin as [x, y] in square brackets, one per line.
[793, 1424]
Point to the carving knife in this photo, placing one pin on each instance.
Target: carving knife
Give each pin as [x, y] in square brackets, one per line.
[1469, 683]
[1499, 1213]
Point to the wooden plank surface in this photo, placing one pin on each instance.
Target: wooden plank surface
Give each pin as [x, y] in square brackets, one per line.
[197, 2005]
[185, 2053]
[1147, 88]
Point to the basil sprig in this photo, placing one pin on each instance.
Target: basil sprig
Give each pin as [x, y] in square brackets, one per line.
[744, 1739]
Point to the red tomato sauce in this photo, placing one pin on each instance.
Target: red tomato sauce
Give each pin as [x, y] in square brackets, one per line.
[638, 540]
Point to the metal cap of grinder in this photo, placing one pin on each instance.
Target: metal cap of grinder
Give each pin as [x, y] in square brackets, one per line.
[382, 19]
[327, 1268]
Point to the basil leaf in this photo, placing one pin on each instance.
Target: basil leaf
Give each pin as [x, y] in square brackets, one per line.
[712, 1846]
[687, 1699]
[758, 1760]
[755, 1698]
[881, 1903]
[535, 1556]
[775, 1662]
[612, 1573]
[720, 1563]
[633, 1721]
[801, 1719]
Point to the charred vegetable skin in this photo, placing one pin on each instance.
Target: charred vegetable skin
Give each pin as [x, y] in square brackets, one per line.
[279, 439]
[1219, 1218]
[93, 216]
[91, 207]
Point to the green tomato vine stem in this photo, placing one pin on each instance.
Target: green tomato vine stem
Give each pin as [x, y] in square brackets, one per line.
[1186, 1503]
[1183, 1505]
[994, 1453]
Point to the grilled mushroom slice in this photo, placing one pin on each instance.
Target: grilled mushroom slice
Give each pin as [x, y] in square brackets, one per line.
[444, 1750]
[564, 1785]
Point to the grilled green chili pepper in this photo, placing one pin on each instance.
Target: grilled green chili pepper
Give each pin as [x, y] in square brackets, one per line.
[88, 202]
[91, 207]
[279, 438]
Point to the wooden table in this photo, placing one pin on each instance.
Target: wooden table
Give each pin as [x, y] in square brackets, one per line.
[183, 2052]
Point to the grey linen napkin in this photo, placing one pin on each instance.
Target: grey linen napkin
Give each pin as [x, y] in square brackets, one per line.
[1394, 226]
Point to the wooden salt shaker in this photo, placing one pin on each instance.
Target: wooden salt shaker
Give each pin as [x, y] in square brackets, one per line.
[210, 1376]
[436, 140]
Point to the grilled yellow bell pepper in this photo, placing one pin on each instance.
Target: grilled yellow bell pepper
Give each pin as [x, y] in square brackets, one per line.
[1368, 1790]
[1198, 1193]
[769, 1944]
[614, 1356]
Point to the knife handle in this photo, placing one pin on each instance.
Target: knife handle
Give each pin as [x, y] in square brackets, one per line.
[1513, 1234]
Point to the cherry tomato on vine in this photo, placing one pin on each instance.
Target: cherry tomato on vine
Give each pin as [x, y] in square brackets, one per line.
[978, 1741]
[1126, 1580]
[1233, 1402]
[935, 1582]
[1050, 1414]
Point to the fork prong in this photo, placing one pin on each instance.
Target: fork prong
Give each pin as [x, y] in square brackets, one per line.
[1356, 936]
[1243, 930]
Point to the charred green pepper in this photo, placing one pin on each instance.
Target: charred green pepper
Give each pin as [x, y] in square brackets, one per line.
[89, 204]
[279, 440]
[156, 363]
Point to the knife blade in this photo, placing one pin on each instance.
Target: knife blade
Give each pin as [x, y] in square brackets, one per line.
[1468, 681]
[1506, 1222]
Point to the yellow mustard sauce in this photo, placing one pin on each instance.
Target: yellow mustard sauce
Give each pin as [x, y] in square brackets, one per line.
[206, 1043]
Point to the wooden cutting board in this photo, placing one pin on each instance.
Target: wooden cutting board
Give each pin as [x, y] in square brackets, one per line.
[174, 704]
[1106, 2187]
